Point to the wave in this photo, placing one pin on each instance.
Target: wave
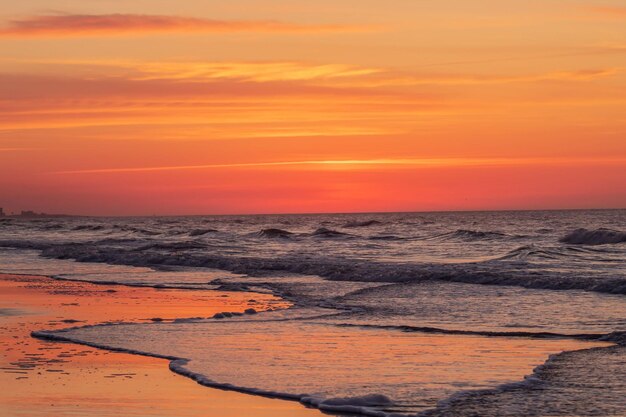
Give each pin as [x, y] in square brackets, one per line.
[274, 234]
[201, 232]
[587, 382]
[368, 405]
[357, 405]
[387, 237]
[118, 241]
[176, 246]
[337, 269]
[23, 244]
[135, 230]
[532, 251]
[362, 224]
[323, 232]
[114, 282]
[352, 405]
[470, 235]
[88, 227]
[594, 237]
[613, 337]
[53, 226]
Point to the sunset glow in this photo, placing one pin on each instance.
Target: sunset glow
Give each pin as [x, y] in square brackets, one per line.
[259, 106]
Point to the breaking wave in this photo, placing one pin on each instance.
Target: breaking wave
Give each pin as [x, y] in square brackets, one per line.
[362, 224]
[470, 235]
[485, 273]
[175, 246]
[138, 230]
[582, 383]
[520, 334]
[552, 375]
[89, 227]
[323, 232]
[594, 237]
[387, 237]
[364, 405]
[274, 234]
[520, 249]
[201, 232]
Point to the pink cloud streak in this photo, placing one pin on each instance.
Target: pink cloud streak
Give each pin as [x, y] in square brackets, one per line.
[123, 24]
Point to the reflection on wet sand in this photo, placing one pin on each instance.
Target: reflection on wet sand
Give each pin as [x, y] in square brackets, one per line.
[41, 378]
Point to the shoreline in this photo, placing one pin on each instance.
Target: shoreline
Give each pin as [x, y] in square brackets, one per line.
[107, 383]
[146, 298]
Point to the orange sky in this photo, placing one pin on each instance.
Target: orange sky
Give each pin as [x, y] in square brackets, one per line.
[162, 107]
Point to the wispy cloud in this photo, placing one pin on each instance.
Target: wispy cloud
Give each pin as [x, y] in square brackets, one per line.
[335, 73]
[71, 25]
[279, 98]
[255, 71]
[610, 11]
[348, 163]
[249, 71]
[390, 79]
[327, 74]
[17, 149]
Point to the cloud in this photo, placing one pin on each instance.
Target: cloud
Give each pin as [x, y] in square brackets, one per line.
[268, 99]
[277, 99]
[610, 11]
[337, 74]
[352, 163]
[69, 25]
[469, 79]
[249, 71]
[38, 101]
[43, 88]
[17, 149]
[329, 75]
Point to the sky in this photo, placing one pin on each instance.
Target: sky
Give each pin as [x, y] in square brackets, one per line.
[142, 107]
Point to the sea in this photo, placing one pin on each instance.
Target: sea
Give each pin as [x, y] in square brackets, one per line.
[510, 313]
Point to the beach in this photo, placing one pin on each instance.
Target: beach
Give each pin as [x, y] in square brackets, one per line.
[42, 378]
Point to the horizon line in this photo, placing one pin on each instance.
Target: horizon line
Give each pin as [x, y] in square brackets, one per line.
[44, 215]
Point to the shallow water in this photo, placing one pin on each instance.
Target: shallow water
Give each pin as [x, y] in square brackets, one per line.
[304, 359]
[455, 306]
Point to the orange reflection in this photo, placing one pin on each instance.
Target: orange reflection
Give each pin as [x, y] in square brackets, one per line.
[42, 378]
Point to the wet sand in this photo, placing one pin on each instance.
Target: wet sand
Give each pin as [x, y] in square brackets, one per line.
[42, 378]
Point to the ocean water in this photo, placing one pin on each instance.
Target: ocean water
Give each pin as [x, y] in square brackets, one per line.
[459, 314]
